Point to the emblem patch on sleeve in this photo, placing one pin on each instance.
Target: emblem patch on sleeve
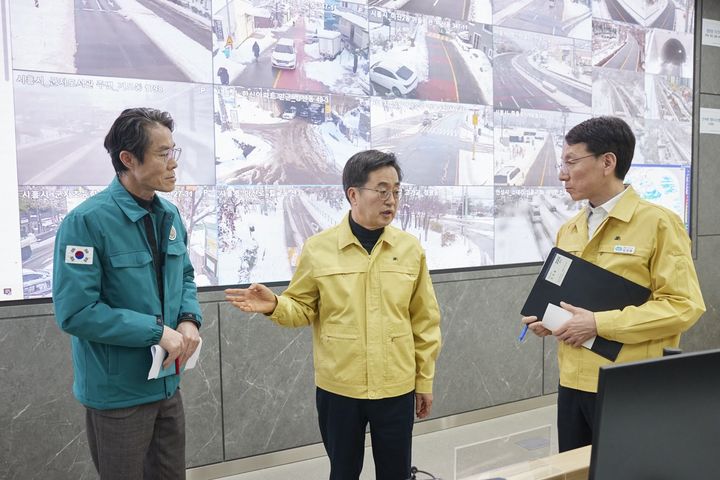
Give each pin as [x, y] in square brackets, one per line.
[173, 233]
[79, 255]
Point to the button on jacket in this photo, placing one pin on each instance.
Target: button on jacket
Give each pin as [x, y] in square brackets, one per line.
[111, 305]
[647, 244]
[375, 318]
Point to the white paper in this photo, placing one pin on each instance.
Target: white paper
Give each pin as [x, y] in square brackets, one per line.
[710, 120]
[158, 355]
[710, 32]
[558, 269]
[555, 317]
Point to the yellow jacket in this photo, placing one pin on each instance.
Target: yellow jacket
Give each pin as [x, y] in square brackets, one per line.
[375, 318]
[659, 259]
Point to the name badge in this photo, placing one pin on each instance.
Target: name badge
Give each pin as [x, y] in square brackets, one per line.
[624, 249]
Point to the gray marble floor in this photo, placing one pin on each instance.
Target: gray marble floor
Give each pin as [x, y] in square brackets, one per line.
[452, 454]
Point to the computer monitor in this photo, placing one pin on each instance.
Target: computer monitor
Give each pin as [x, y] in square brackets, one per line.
[658, 419]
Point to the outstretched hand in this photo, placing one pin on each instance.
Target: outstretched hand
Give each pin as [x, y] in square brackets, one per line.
[256, 298]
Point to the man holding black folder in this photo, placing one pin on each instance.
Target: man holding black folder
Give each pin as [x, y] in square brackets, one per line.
[643, 242]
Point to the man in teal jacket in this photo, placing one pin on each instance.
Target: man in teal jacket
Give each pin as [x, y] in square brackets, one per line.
[122, 282]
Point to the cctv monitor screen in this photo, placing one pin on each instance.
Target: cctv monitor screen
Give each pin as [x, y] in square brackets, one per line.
[270, 99]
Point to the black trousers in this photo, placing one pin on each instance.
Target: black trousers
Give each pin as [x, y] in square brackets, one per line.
[141, 442]
[342, 425]
[575, 417]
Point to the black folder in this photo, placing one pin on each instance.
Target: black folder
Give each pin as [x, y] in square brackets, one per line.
[565, 277]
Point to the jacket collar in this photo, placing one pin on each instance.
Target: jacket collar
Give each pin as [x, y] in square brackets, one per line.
[346, 237]
[623, 210]
[127, 203]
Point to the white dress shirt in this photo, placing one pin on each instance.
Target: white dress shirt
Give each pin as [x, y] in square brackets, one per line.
[596, 215]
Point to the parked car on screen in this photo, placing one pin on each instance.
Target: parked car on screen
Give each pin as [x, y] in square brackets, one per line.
[394, 76]
[290, 113]
[535, 216]
[284, 54]
[36, 283]
[316, 109]
[509, 175]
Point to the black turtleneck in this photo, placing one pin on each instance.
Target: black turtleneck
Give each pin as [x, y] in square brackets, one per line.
[146, 204]
[367, 238]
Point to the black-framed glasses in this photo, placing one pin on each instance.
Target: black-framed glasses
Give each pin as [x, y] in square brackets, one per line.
[564, 166]
[384, 194]
[172, 153]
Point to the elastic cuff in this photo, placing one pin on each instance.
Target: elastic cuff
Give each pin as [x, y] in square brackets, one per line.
[157, 333]
[189, 317]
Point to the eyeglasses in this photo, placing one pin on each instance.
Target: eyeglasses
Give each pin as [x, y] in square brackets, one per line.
[172, 153]
[384, 194]
[564, 166]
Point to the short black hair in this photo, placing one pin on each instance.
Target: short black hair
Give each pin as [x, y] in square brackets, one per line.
[130, 132]
[359, 166]
[606, 134]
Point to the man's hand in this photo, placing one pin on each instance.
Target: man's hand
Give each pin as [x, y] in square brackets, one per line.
[256, 298]
[580, 328]
[423, 404]
[190, 333]
[173, 343]
[536, 327]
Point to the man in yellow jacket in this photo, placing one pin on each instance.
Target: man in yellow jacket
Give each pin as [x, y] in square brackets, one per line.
[624, 234]
[365, 288]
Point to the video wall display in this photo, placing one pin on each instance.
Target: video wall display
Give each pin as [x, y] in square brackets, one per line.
[271, 97]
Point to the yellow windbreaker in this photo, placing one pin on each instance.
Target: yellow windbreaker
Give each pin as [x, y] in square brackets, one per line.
[375, 318]
[657, 256]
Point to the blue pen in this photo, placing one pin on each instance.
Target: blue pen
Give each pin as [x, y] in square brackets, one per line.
[523, 333]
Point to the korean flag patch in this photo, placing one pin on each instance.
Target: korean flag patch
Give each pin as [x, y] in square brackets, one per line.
[79, 255]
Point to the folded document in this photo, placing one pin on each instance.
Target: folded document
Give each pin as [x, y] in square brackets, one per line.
[555, 317]
[158, 357]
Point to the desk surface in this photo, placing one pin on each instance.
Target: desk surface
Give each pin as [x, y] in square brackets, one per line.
[572, 465]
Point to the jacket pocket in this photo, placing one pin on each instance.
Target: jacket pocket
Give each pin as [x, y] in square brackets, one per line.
[128, 272]
[339, 288]
[633, 265]
[128, 361]
[130, 259]
[399, 357]
[397, 285]
[341, 358]
[174, 267]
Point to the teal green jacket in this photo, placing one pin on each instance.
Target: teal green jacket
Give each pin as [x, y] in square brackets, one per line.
[106, 296]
